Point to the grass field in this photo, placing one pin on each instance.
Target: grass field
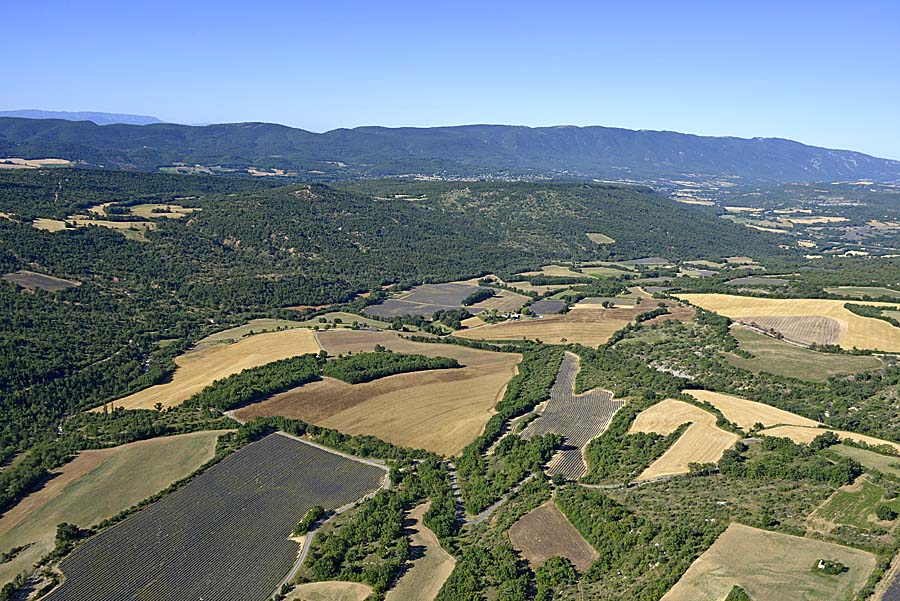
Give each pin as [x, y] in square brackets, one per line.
[863, 291]
[702, 442]
[600, 239]
[589, 325]
[784, 359]
[254, 326]
[852, 330]
[424, 579]
[97, 485]
[869, 459]
[171, 211]
[224, 535]
[199, 368]
[33, 281]
[49, 225]
[546, 532]
[330, 591]
[853, 505]
[440, 410]
[602, 271]
[771, 566]
[556, 271]
[747, 413]
[802, 435]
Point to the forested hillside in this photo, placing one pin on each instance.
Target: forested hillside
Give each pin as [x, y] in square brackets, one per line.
[471, 150]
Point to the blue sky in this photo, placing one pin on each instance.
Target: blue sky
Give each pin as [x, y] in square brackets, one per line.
[825, 73]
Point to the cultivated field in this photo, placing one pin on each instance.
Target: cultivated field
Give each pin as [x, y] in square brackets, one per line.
[600, 239]
[589, 325]
[425, 300]
[771, 566]
[870, 460]
[802, 435]
[578, 417]
[747, 413]
[784, 359]
[252, 327]
[14, 163]
[546, 532]
[852, 505]
[156, 211]
[547, 307]
[423, 581]
[859, 292]
[33, 281]
[222, 536]
[504, 301]
[97, 485]
[49, 225]
[556, 271]
[822, 321]
[440, 410]
[199, 368]
[751, 280]
[334, 590]
[702, 442]
[542, 289]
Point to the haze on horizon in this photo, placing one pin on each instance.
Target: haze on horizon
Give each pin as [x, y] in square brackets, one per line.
[821, 73]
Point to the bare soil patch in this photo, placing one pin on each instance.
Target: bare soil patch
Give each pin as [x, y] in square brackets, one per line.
[546, 532]
[33, 281]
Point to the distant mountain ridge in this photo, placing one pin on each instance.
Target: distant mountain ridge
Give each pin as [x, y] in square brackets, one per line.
[96, 117]
[459, 151]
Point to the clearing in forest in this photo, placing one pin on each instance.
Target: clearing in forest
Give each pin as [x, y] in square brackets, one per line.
[199, 368]
[223, 535]
[802, 435]
[432, 566]
[600, 239]
[578, 417]
[332, 590]
[785, 359]
[48, 225]
[702, 442]
[97, 485]
[32, 281]
[859, 292]
[771, 566]
[546, 532]
[590, 325]
[252, 327]
[747, 413]
[439, 410]
[156, 211]
[820, 321]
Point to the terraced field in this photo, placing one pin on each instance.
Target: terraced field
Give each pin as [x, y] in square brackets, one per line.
[823, 321]
[224, 535]
[578, 417]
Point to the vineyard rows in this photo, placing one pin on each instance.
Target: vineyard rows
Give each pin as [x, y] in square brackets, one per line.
[578, 417]
[223, 536]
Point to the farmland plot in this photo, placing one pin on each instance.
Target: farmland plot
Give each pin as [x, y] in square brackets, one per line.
[578, 417]
[424, 579]
[803, 435]
[224, 535]
[33, 281]
[747, 413]
[425, 300]
[702, 442]
[546, 532]
[773, 567]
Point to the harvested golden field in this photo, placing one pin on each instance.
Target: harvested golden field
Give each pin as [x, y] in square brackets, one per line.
[825, 318]
[199, 368]
[771, 566]
[97, 485]
[156, 211]
[702, 442]
[803, 435]
[859, 292]
[252, 327]
[49, 225]
[331, 590]
[600, 239]
[589, 325]
[556, 271]
[527, 287]
[432, 566]
[814, 219]
[746, 413]
[439, 410]
[546, 532]
[505, 301]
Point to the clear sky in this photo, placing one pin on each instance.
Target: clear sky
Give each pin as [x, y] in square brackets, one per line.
[825, 73]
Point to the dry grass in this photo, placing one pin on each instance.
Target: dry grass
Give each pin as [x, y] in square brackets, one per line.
[814, 219]
[702, 442]
[555, 271]
[527, 287]
[505, 301]
[546, 532]
[32, 281]
[589, 325]
[97, 485]
[332, 590]
[252, 327]
[199, 368]
[600, 239]
[423, 581]
[49, 225]
[803, 435]
[854, 331]
[170, 211]
[439, 410]
[772, 567]
[747, 413]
